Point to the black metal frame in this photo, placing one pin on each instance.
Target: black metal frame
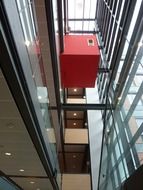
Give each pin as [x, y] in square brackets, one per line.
[136, 36]
[83, 32]
[60, 24]
[28, 176]
[54, 56]
[52, 41]
[84, 107]
[81, 19]
[65, 2]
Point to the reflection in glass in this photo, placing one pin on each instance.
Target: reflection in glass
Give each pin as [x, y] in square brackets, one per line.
[5, 184]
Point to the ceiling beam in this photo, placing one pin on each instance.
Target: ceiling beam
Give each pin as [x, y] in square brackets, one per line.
[83, 31]
[81, 19]
[84, 107]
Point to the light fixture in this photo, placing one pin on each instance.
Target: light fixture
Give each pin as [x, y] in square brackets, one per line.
[84, 97]
[7, 153]
[140, 44]
[74, 156]
[74, 124]
[21, 170]
[27, 43]
[108, 131]
[87, 163]
[85, 123]
[32, 182]
[75, 90]
[10, 125]
[39, 97]
[75, 114]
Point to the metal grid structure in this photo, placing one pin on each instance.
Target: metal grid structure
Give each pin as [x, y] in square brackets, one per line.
[120, 33]
[81, 15]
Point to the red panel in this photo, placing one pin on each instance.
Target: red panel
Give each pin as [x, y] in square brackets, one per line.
[79, 62]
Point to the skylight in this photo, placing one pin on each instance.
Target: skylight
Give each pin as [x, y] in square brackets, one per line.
[81, 15]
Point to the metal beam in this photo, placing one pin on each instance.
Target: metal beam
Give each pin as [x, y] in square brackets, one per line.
[28, 176]
[103, 70]
[65, 3]
[83, 31]
[84, 107]
[53, 51]
[60, 24]
[81, 19]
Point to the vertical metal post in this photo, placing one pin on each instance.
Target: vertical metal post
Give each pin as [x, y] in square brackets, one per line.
[60, 24]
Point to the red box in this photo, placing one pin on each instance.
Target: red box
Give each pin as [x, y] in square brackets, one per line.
[79, 61]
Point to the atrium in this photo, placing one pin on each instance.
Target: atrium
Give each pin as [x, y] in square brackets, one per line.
[71, 121]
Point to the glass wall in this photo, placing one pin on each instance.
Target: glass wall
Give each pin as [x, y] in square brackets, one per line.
[123, 139]
[121, 89]
[124, 130]
[5, 184]
[28, 21]
[81, 15]
[25, 33]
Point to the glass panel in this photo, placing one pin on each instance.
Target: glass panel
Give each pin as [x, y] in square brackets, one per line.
[116, 178]
[121, 171]
[132, 94]
[37, 70]
[26, 20]
[134, 18]
[71, 8]
[4, 184]
[121, 63]
[121, 146]
[124, 159]
[91, 25]
[136, 118]
[87, 9]
[71, 25]
[112, 159]
[138, 80]
[139, 148]
[86, 25]
[79, 8]
[126, 168]
[93, 9]
[78, 25]
[117, 151]
[139, 121]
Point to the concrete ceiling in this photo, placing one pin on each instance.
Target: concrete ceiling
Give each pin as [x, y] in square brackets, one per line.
[14, 139]
[75, 92]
